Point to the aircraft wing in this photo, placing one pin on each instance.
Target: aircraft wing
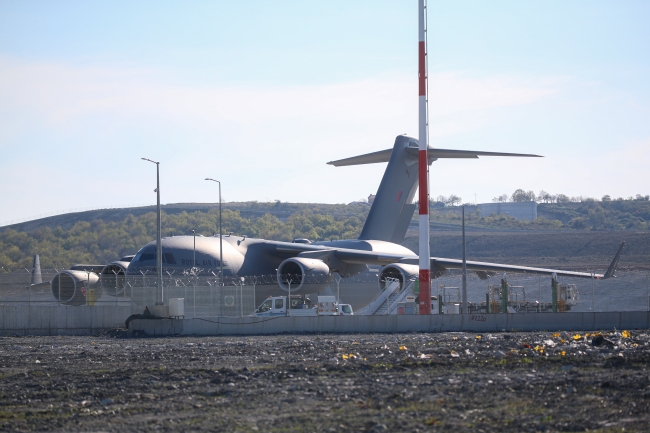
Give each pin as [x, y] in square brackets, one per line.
[438, 264]
[494, 268]
[484, 267]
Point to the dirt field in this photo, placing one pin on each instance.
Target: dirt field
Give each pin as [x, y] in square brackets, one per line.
[386, 382]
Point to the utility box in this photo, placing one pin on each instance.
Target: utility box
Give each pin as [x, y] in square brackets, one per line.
[408, 308]
[177, 307]
[411, 308]
[159, 310]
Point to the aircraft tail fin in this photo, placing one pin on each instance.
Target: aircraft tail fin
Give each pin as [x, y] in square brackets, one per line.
[392, 208]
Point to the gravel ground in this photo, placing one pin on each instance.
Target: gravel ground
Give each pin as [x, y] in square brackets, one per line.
[356, 382]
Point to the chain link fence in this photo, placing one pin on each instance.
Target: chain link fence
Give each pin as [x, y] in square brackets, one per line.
[203, 297]
[208, 296]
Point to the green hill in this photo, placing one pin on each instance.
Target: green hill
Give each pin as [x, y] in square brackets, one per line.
[101, 236]
[104, 236]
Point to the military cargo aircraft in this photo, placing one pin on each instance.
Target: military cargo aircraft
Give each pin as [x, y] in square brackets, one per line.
[303, 266]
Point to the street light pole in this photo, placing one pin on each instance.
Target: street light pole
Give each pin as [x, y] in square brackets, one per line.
[159, 285]
[464, 309]
[220, 237]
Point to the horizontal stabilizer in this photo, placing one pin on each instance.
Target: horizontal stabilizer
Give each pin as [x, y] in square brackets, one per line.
[452, 153]
[434, 153]
[368, 158]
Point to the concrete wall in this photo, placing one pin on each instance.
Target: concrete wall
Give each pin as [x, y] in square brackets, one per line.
[520, 211]
[60, 320]
[388, 324]
[64, 320]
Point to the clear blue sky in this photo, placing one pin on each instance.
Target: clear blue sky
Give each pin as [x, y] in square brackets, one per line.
[262, 94]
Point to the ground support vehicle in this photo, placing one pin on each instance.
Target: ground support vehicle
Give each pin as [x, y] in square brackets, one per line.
[300, 306]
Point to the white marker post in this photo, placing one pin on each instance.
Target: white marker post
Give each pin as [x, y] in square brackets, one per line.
[423, 167]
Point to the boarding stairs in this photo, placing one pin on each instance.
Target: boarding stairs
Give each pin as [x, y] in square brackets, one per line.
[386, 301]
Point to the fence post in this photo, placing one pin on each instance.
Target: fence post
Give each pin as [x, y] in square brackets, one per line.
[504, 294]
[241, 298]
[593, 309]
[554, 292]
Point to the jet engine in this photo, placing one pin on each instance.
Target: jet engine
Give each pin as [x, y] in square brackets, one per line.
[113, 278]
[303, 275]
[399, 271]
[70, 287]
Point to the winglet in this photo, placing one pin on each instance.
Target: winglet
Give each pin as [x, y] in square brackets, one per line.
[612, 266]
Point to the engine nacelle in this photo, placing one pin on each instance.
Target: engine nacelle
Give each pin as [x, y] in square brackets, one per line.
[113, 279]
[68, 287]
[304, 275]
[398, 271]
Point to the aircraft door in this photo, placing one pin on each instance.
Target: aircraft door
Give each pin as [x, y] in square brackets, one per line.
[278, 306]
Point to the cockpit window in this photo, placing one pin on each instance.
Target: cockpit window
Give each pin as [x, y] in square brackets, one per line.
[169, 258]
[146, 254]
[149, 254]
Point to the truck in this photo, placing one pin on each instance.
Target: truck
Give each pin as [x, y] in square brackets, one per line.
[344, 310]
[302, 306]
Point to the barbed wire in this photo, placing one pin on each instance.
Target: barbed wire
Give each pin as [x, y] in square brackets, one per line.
[208, 274]
[234, 281]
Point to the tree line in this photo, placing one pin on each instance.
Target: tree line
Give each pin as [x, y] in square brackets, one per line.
[523, 196]
[586, 214]
[520, 196]
[98, 241]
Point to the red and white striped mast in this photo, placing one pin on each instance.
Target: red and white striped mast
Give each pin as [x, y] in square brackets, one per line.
[423, 167]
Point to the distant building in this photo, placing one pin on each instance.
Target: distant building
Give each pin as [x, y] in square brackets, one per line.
[521, 211]
[371, 198]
